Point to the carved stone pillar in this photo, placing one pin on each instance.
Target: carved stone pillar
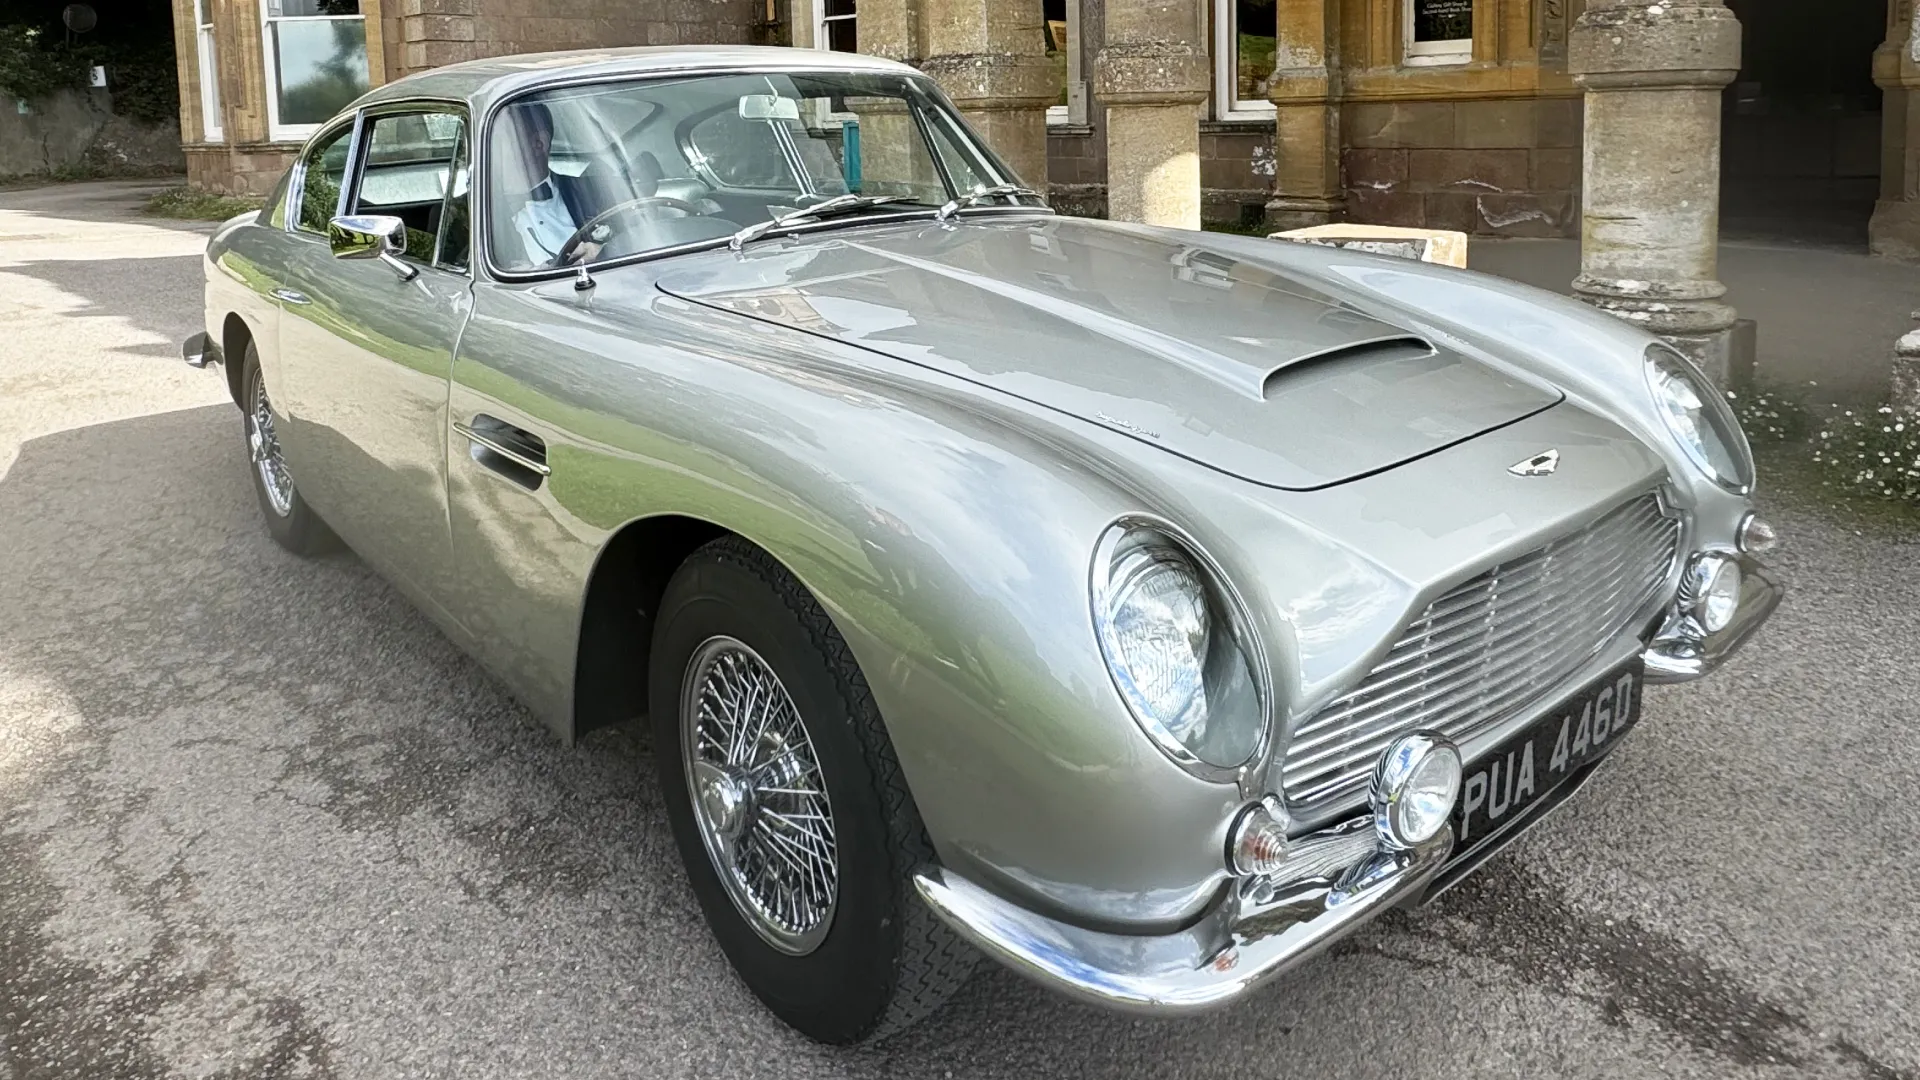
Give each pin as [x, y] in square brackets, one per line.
[1653, 75]
[895, 31]
[990, 57]
[1152, 75]
[243, 70]
[1895, 228]
[1306, 117]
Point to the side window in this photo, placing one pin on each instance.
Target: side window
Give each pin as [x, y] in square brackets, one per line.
[407, 172]
[326, 171]
[739, 153]
[456, 225]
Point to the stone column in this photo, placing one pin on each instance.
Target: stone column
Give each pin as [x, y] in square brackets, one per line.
[893, 30]
[239, 47]
[991, 58]
[1151, 76]
[1306, 117]
[1895, 228]
[1650, 233]
[186, 47]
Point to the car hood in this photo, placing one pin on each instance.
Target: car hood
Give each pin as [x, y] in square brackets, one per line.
[1247, 367]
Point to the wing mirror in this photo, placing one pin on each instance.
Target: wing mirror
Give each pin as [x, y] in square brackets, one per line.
[371, 236]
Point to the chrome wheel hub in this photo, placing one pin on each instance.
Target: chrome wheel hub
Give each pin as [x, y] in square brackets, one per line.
[758, 797]
[264, 448]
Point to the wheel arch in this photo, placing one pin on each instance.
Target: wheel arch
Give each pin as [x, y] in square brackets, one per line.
[235, 335]
[623, 592]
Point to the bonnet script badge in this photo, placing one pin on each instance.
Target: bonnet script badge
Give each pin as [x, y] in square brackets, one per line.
[1541, 464]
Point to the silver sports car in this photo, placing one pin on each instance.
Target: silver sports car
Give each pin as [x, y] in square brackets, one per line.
[1144, 609]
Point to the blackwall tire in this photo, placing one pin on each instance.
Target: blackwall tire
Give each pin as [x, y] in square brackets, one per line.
[881, 960]
[289, 520]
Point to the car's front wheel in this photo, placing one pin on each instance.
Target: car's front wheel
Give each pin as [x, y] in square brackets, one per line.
[796, 827]
[290, 521]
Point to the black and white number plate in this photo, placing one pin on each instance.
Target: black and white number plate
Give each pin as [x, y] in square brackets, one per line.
[1499, 787]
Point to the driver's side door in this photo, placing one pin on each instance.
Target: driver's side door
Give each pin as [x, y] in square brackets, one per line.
[372, 348]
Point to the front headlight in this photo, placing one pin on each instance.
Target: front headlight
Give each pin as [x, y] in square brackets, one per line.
[1700, 419]
[1175, 649]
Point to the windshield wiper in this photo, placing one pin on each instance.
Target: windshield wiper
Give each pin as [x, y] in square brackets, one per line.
[1007, 191]
[836, 205]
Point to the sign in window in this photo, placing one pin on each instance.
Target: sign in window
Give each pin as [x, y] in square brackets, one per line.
[1439, 31]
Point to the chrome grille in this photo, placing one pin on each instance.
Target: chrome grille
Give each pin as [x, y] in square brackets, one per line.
[1489, 647]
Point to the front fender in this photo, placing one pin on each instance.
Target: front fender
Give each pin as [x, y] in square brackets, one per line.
[947, 536]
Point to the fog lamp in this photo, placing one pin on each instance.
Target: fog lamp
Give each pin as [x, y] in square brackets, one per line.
[1757, 535]
[1258, 844]
[1715, 590]
[1414, 788]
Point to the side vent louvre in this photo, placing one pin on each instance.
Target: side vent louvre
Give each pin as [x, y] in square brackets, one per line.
[1379, 350]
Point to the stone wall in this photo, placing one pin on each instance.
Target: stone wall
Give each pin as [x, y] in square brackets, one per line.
[77, 131]
[431, 33]
[1485, 167]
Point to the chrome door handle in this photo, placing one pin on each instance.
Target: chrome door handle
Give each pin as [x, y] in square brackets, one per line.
[292, 297]
[507, 445]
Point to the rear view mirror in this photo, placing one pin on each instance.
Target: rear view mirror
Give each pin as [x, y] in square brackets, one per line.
[768, 107]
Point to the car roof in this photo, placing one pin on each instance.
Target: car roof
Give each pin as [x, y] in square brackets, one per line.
[482, 82]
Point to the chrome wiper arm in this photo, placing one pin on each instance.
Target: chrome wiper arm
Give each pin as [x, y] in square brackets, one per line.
[1008, 191]
[849, 201]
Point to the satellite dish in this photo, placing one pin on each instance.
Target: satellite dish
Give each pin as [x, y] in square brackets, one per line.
[79, 18]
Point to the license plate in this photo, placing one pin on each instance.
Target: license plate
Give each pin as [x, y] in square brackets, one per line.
[1498, 788]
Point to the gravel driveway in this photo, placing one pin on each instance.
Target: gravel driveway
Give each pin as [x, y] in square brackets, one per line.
[258, 818]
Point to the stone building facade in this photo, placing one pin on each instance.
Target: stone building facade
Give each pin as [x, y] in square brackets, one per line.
[256, 76]
[1457, 114]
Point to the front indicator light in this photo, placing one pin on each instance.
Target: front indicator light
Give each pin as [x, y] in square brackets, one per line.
[1258, 845]
[1757, 535]
[1414, 789]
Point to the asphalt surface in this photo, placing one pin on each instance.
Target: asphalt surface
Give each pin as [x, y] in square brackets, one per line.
[258, 818]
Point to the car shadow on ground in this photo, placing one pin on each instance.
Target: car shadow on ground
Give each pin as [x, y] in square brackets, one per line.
[256, 808]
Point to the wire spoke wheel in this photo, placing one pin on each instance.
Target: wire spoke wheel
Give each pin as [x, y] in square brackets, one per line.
[264, 447]
[758, 796]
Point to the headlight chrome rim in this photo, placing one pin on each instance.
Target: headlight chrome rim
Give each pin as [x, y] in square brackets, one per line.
[1231, 619]
[1714, 583]
[1395, 792]
[1721, 422]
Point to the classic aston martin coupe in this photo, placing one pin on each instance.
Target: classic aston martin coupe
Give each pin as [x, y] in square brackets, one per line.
[1144, 609]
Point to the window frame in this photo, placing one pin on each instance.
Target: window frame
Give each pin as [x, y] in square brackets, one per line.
[1433, 53]
[357, 156]
[1074, 112]
[270, 58]
[297, 186]
[821, 39]
[1226, 69]
[207, 57]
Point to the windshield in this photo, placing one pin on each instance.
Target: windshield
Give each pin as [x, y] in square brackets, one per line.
[590, 173]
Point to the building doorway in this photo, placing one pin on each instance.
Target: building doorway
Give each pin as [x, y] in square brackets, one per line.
[1801, 124]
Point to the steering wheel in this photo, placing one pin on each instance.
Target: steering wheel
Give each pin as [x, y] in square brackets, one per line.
[564, 257]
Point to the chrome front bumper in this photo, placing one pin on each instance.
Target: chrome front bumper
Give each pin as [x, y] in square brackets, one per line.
[1682, 650]
[1242, 944]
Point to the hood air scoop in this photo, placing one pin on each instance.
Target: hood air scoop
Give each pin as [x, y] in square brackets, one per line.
[1400, 348]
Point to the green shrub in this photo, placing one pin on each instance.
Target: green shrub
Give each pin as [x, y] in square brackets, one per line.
[30, 68]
